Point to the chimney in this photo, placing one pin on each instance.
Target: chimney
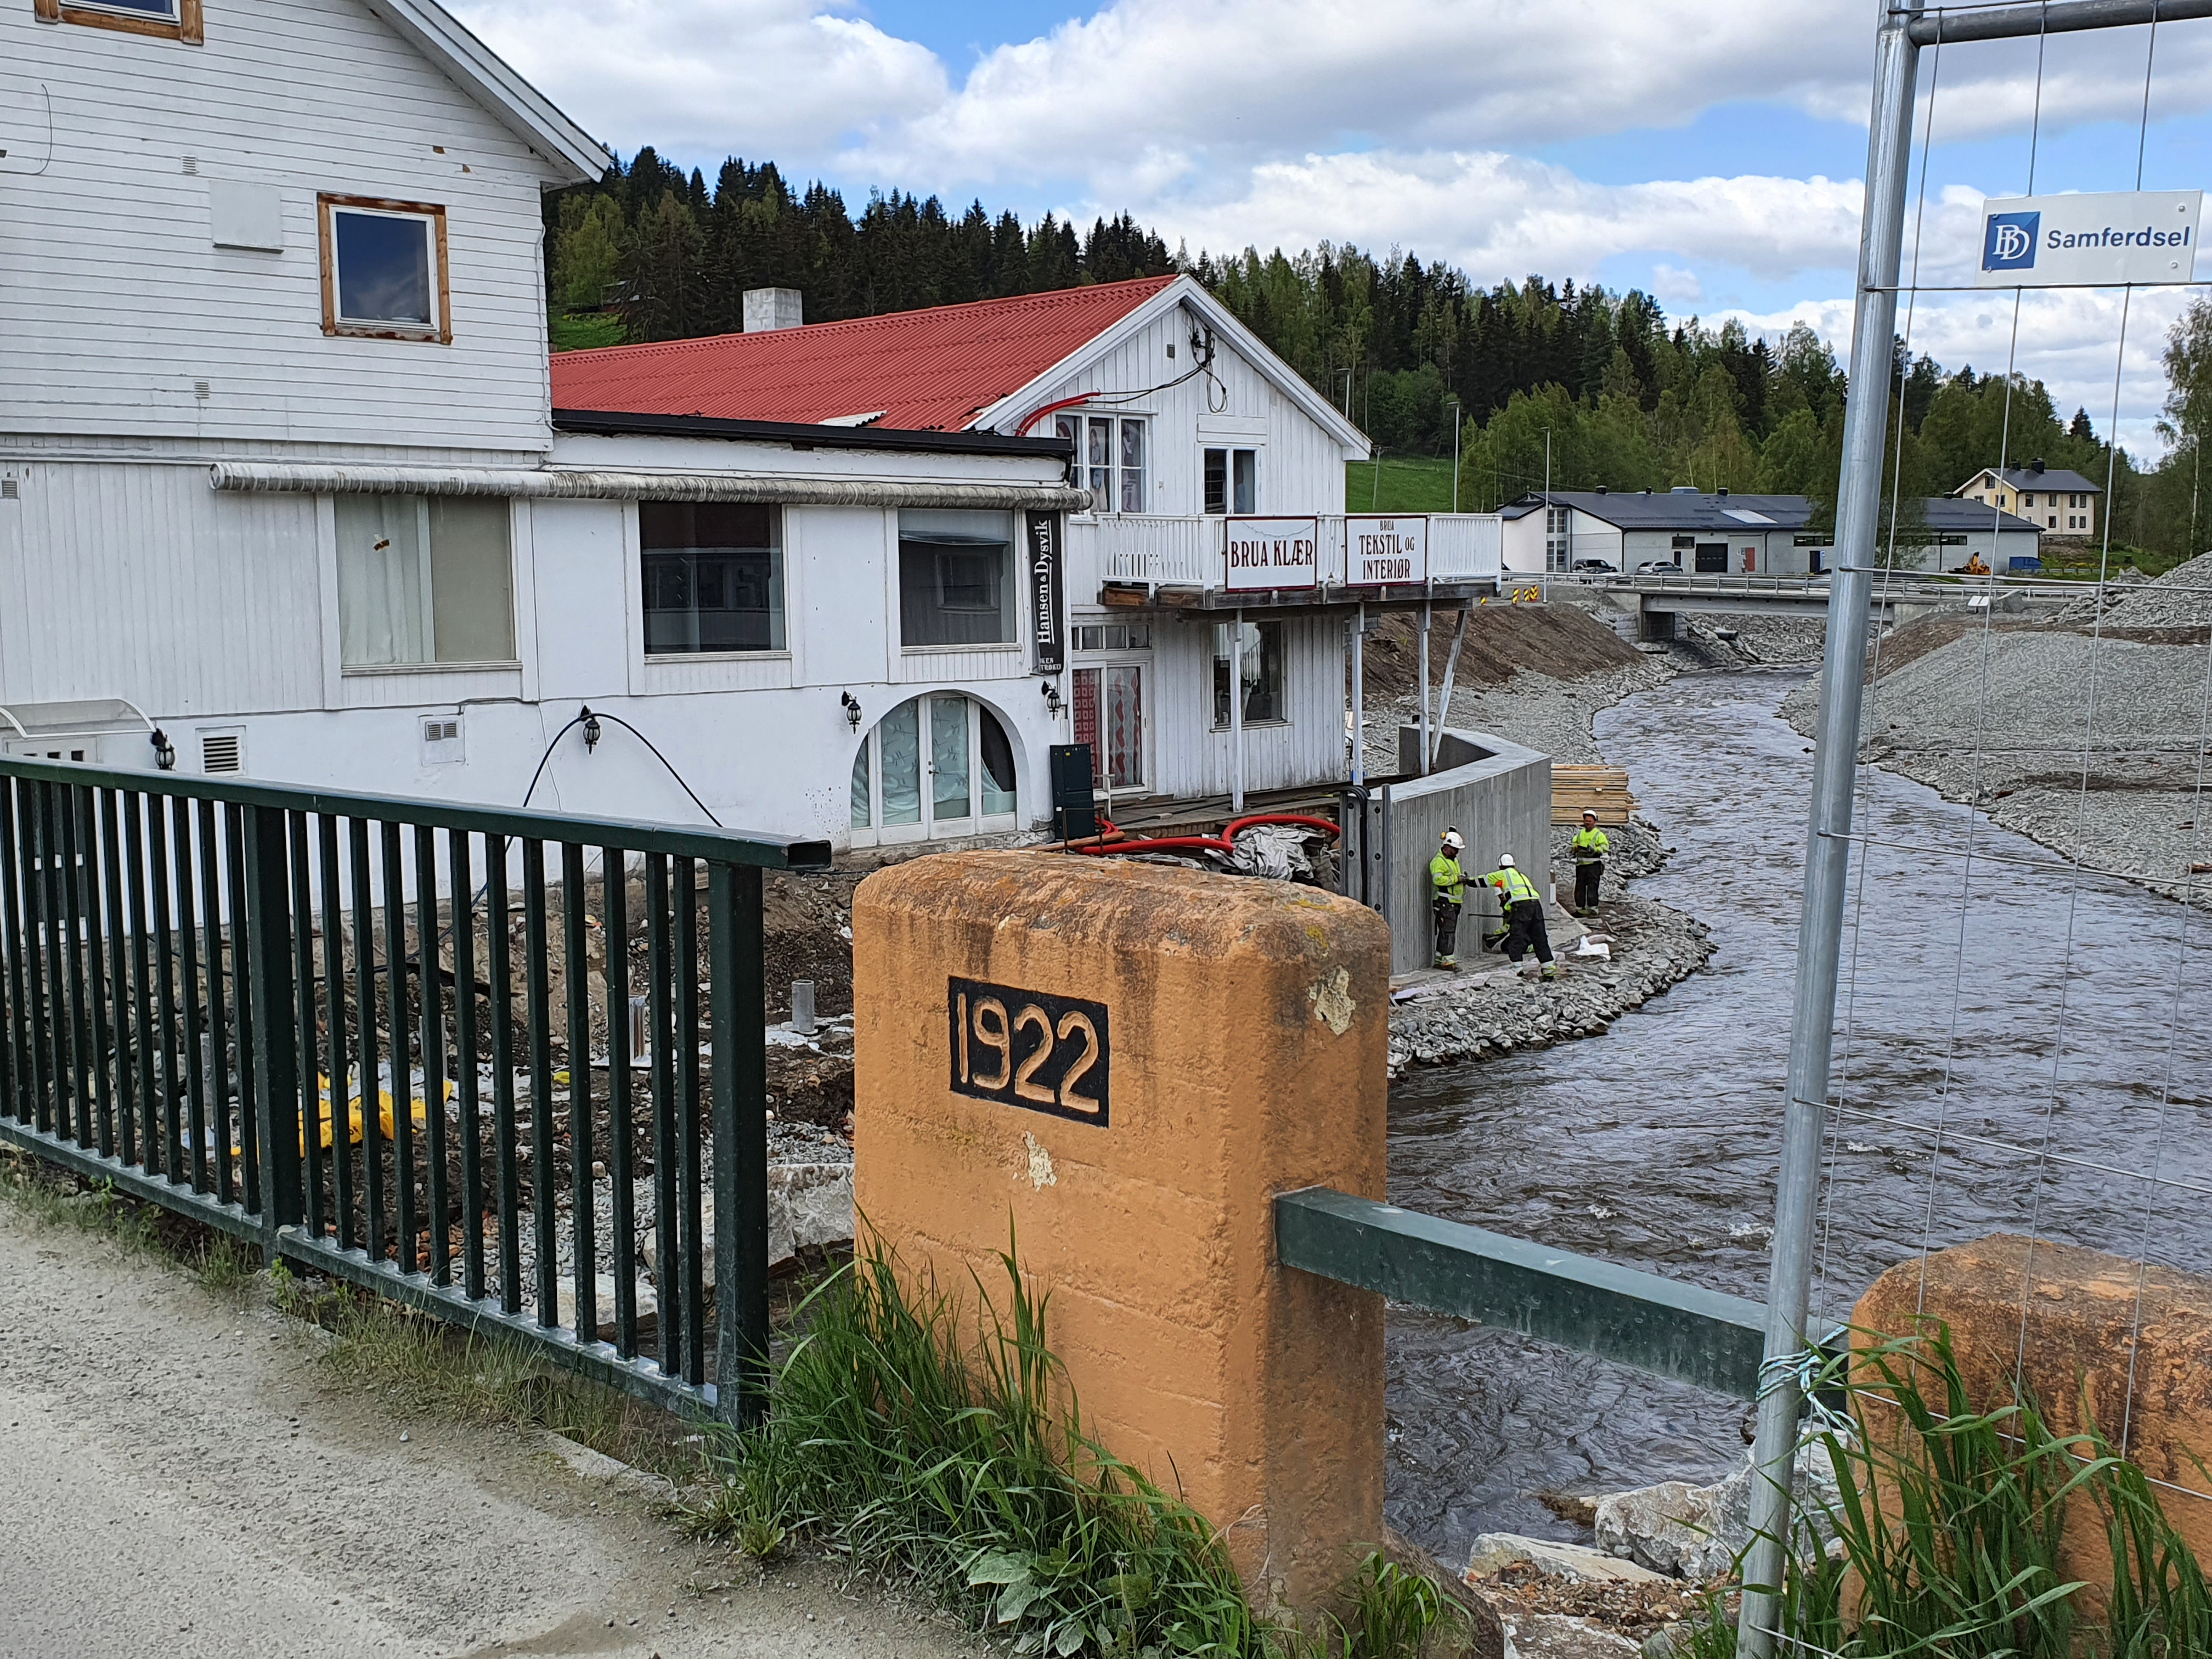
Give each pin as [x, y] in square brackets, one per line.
[767, 309]
[2035, 466]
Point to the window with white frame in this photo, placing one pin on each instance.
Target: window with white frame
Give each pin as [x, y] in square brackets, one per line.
[1232, 481]
[713, 576]
[384, 268]
[1559, 541]
[957, 585]
[424, 579]
[1261, 661]
[1112, 458]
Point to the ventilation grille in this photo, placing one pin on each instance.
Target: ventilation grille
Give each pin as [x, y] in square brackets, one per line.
[9, 489]
[223, 751]
[441, 730]
[200, 389]
[192, 164]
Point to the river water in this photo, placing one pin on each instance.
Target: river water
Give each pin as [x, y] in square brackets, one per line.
[2015, 1049]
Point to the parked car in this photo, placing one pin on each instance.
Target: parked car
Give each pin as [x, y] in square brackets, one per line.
[1594, 568]
[1658, 568]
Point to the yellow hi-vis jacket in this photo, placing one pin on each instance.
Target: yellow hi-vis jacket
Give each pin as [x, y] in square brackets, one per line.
[1448, 879]
[1590, 846]
[1512, 886]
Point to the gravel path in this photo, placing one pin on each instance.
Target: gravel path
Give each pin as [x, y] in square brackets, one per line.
[182, 1480]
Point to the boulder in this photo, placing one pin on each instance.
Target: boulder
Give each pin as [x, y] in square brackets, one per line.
[1493, 1552]
[1697, 1532]
[810, 1206]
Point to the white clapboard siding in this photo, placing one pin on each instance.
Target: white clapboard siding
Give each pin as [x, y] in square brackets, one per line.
[127, 580]
[114, 304]
[1301, 465]
[1191, 758]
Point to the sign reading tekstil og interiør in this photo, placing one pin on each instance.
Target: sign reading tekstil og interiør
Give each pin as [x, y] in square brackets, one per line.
[1267, 556]
[1383, 552]
[2060, 241]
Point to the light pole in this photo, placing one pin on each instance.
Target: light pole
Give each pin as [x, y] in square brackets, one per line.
[1459, 411]
[1547, 500]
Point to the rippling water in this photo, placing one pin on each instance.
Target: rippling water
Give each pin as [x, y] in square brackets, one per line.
[2056, 1034]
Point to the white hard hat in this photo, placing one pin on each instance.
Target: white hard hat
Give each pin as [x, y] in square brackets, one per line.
[1452, 840]
[1505, 860]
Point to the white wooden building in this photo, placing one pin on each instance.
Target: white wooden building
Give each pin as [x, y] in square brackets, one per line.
[284, 478]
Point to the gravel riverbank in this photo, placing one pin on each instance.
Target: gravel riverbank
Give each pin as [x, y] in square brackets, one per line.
[2087, 737]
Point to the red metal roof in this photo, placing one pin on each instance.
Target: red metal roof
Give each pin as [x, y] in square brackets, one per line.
[931, 370]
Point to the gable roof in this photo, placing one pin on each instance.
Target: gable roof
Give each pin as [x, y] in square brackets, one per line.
[2027, 477]
[484, 75]
[1953, 512]
[933, 370]
[1724, 515]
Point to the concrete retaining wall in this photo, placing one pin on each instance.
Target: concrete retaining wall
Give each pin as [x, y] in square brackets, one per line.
[1496, 794]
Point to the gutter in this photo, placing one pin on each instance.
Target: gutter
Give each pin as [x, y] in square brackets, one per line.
[802, 435]
[283, 478]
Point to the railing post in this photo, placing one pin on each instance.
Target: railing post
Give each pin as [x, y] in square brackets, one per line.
[268, 920]
[739, 1083]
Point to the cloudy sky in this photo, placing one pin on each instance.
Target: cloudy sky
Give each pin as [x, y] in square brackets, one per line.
[1710, 153]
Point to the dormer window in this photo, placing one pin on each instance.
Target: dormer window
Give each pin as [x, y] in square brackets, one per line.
[384, 270]
[166, 20]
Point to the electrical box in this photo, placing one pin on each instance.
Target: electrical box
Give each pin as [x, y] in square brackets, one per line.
[1074, 801]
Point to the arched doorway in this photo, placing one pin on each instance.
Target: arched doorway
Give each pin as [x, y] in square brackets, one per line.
[934, 768]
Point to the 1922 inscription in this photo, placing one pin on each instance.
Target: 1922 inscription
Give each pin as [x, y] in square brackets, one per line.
[1043, 1054]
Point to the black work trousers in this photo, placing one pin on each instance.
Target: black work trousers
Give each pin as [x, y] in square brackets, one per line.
[1586, 880]
[1525, 931]
[1447, 929]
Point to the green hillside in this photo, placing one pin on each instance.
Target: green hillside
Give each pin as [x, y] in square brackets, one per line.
[1411, 483]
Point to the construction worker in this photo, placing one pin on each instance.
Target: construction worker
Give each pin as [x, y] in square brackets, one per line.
[1448, 883]
[1524, 916]
[1589, 847]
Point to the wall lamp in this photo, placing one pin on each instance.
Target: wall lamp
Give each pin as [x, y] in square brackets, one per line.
[590, 728]
[165, 753]
[1053, 700]
[852, 705]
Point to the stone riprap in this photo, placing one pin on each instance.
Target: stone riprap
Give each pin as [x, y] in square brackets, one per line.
[1697, 1532]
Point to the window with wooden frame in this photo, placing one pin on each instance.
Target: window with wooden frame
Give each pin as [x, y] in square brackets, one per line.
[165, 20]
[384, 268]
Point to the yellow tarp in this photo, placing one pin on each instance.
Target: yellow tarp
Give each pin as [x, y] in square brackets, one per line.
[386, 1107]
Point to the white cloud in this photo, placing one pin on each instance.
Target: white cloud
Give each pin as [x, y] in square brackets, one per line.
[1502, 216]
[766, 79]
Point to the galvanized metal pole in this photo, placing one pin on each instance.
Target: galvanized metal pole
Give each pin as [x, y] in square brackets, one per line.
[1236, 717]
[1359, 696]
[1827, 854]
[1423, 670]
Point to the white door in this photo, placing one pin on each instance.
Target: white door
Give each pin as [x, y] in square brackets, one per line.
[936, 767]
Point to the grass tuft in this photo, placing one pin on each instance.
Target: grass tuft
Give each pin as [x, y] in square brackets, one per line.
[1950, 1526]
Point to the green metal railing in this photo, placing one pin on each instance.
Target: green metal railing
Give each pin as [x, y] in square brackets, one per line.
[328, 1023]
[1640, 1319]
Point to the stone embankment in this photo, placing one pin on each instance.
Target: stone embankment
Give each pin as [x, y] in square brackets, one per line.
[2085, 734]
[1651, 945]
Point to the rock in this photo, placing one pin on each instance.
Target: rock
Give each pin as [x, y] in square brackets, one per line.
[1697, 1532]
[603, 1304]
[1560, 1636]
[1487, 1635]
[1576, 1563]
[810, 1206]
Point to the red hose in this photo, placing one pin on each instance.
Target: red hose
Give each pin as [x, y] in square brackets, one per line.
[1224, 842]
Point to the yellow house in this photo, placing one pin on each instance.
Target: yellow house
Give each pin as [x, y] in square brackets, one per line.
[2058, 503]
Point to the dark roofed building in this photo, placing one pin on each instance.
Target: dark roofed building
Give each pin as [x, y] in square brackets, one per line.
[2060, 502]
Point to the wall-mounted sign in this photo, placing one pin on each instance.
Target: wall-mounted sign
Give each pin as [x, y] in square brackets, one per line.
[1040, 571]
[1267, 555]
[1044, 1054]
[2118, 236]
[1382, 552]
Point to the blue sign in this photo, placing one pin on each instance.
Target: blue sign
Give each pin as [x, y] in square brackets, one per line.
[2009, 241]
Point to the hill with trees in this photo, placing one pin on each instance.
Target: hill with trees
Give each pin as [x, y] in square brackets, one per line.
[1416, 352]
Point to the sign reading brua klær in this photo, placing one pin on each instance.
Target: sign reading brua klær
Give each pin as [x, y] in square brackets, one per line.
[1026, 1049]
[1267, 555]
[1385, 552]
[2114, 237]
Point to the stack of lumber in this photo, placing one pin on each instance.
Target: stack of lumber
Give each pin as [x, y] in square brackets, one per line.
[1600, 789]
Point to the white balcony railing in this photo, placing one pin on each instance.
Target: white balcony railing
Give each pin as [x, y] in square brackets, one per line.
[1162, 551]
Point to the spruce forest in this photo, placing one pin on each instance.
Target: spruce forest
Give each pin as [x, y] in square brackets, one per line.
[1414, 351]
